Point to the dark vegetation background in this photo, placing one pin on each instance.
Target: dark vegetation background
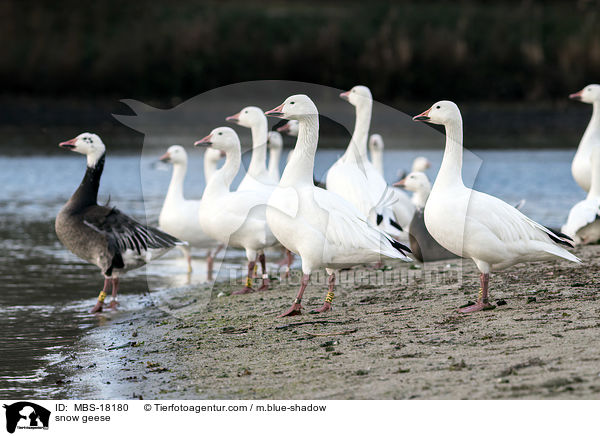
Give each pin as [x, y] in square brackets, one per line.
[69, 62]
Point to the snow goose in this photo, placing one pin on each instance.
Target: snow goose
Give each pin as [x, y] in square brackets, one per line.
[179, 216]
[257, 176]
[581, 166]
[103, 235]
[236, 219]
[354, 177]
[422, 244]
[321, 227]
[290, 128]
[583, 223]
[376, 149]
[275, 144]
[475, 225]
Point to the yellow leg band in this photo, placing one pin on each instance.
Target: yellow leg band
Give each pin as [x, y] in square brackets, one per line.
[248, 282]
[255, 269]
[329, 298]
[102, 296]
[480, 295]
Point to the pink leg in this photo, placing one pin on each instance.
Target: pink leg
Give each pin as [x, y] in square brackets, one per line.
[296, 308]
[290, 259]
[248, 288]
[100, 303]
[482, 301]
[265, 276]
[328, 298]
[115, 289]
[210, 261]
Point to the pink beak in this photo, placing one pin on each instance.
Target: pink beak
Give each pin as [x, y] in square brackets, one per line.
[165, 157]
[234, 118]
[276, 112]
[204, 141]
[576, 96]
[70, 144]
[345, 95]
[422, 117]
[400, 183]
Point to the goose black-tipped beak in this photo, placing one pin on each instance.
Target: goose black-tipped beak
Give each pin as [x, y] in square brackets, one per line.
[576, 96]
[276, 112]
[422, 117]
[234, 118]
[400, 183]
[345, 95]
[165, 157]
[70, 144]
[204, 142]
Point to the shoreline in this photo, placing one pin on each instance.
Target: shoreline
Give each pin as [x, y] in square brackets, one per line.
[381, 341]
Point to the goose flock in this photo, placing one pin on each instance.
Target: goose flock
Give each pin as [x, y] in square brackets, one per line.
[356, 218]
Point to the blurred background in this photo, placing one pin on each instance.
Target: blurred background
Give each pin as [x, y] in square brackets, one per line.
[510, 65]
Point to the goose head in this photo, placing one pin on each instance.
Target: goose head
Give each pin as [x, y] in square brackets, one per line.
[442, 112]
[290, 128]
[421, 164]
[376, 143]
[415, 182]
[589, 94]
[222, 139]
[89, 144]
[358, 95]
[247, 117]
[274, 141]
[175, 154]
[295, 107]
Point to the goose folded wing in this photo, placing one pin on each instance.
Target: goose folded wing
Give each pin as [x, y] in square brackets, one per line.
[124, 233]
[583, 213]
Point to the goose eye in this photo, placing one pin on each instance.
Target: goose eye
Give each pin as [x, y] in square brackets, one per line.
[220, 133]
[437, 107]
[291, 102]
[245, 112]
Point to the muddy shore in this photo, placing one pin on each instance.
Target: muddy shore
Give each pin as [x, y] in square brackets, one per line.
[393, 334]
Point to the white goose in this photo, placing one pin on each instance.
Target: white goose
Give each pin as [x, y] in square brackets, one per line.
[581, 166]
[317, 224]
[257, 176]
[354, 177]
[179, 216]
[422, 244]
[583, 223]
[376, 147]
[475, 225]
[236, 219]
[290, 128]
[275, 144]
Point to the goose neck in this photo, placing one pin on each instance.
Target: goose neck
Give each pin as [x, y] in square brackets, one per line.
[175, 191]
[299, 169]
[258, 162]
[274, 158]
[451, 169]
[358, 144]
[220, 182]
[87, 192]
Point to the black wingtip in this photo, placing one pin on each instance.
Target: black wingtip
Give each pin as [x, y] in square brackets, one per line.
[400, 247]
[396, 225]
[561, 238]
[379, 218]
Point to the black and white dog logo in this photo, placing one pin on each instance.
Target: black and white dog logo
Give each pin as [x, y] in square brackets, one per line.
[26, 415]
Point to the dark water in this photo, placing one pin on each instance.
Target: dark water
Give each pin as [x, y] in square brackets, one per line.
[45, 291]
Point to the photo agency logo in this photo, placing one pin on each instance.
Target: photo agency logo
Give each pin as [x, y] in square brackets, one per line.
[26, 416]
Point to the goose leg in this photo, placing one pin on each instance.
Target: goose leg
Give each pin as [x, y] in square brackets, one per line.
[329, 297]
[265, 275]
[248, 288]
[210, 261]
[296, 308]
[100, 303]
[290, 259]
[483, 300]
[115, 288]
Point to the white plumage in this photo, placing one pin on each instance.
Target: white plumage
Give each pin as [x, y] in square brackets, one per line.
[320, 226]
[583, 223]
[581, 166]
[236, 219]
[179, 216]
[479, 226]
